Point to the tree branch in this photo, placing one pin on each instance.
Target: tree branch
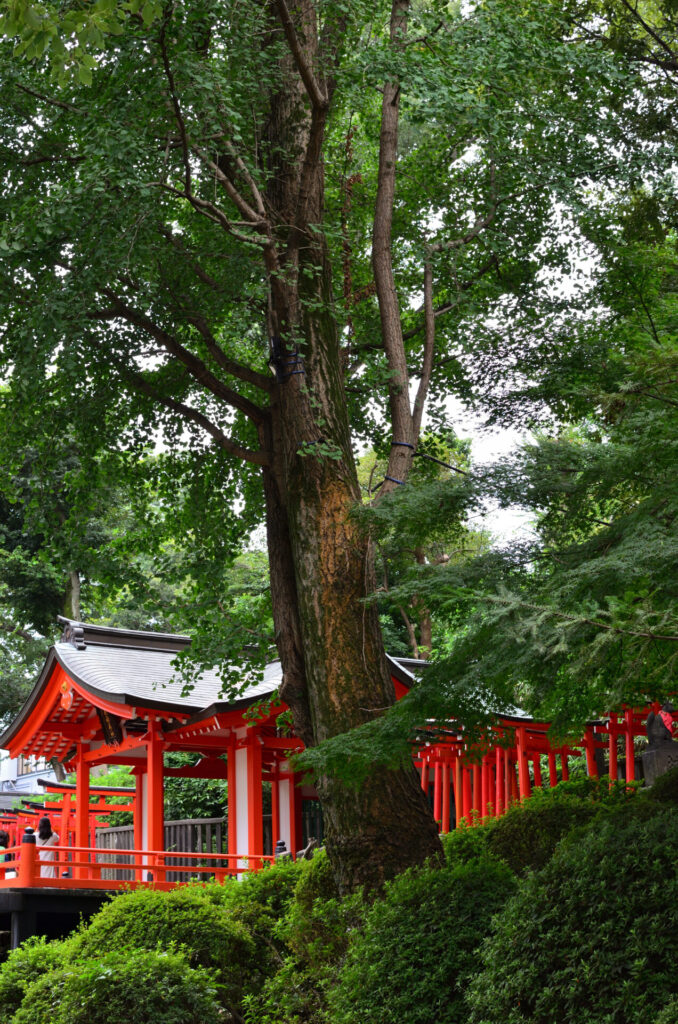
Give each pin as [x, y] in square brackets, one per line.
[198, 370]
[317, 95]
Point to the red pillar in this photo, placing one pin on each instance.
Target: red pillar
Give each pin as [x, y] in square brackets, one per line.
[445, 825]
[81, 810]
[553, 771]
[467, 801]
[295, 833]
[476, 790]
[275, 809]
[612, 747]
[630, 761]
[255, 821]
[458, 795]
[155, 809]
[484, 789]
[523, 773]
[507, 780]
[424, 775]
[498, 782]
[232, 804]
[565, 771]
[536, 764]
[437, 792]
[591, 766]
[138, 819]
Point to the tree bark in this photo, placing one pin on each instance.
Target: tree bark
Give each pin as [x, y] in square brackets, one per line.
[334, 666]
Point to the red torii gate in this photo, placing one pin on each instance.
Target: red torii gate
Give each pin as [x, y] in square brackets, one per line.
[484, 782]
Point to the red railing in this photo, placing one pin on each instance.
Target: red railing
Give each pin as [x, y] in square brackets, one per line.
[86, 867]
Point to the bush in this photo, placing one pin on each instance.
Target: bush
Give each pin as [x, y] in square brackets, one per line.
[665, 789]
[124, 987]
[25, 965]
[592, 936]
[186, 916]
[466, 843]
[669, 1015]
[312, 940]
[417, 947]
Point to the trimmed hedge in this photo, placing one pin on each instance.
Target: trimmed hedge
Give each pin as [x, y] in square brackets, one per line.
[592, 937]
[183, 917]
[418, 946]
[25, 965]
[312, 940]
[125, 987]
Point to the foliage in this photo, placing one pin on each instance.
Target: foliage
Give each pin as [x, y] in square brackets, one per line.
[591, 936]
[668, 1014]
[143, 986]
[415, 953]
[25, 965]
[184, 917]
[311, 939]
[665, 788]
[259, 901]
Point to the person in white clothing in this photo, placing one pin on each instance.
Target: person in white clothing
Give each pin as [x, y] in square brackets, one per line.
[46, 838]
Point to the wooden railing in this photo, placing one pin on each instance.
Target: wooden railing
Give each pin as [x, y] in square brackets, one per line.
[86, 867]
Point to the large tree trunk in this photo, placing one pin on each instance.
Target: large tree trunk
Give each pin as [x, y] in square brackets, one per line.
[387, 824]
[335, 671]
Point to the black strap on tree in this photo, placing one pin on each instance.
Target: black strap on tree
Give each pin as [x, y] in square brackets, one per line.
[282, 363]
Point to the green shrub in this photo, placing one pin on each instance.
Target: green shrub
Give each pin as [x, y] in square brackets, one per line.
[465, 843]
[186, 916]
[592, 936]
[312, 940]
[669, 1015]
[417, 947]
[25, 965]
[665, 789]
[125, 987]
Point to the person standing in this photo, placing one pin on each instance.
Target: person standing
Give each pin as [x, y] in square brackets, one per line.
[46, 838]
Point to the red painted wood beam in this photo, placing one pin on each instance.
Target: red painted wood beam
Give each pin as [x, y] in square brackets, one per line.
[445, 816]
[81, 807]
[255, 820]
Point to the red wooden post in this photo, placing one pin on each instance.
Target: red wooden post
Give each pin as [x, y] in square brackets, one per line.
[591, 766]
[424, 775]
[232, 804]
[467, 802]
[484, 788]
[458, 795]
[29, 870]
[612, 747]
[155, 810]
[498, 782]
[138, 812]
[437, 792]
[476, 790]
[81, 810]
[507, 780]
[565, 771]
[523, 774]
[275, 809]
[255, 821]
[553, 771]
[630, 757]
[536, 765]
[445, 825]
[295, 833]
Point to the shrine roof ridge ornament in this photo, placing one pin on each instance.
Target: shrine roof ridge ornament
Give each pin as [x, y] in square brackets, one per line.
[83, 634]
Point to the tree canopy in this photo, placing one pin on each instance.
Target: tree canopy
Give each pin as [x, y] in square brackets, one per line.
[267, 234]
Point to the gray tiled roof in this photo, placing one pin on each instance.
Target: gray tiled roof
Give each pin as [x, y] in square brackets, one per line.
[149, 678]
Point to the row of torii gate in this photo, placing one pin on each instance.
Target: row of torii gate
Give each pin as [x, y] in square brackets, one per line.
[108, 696]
